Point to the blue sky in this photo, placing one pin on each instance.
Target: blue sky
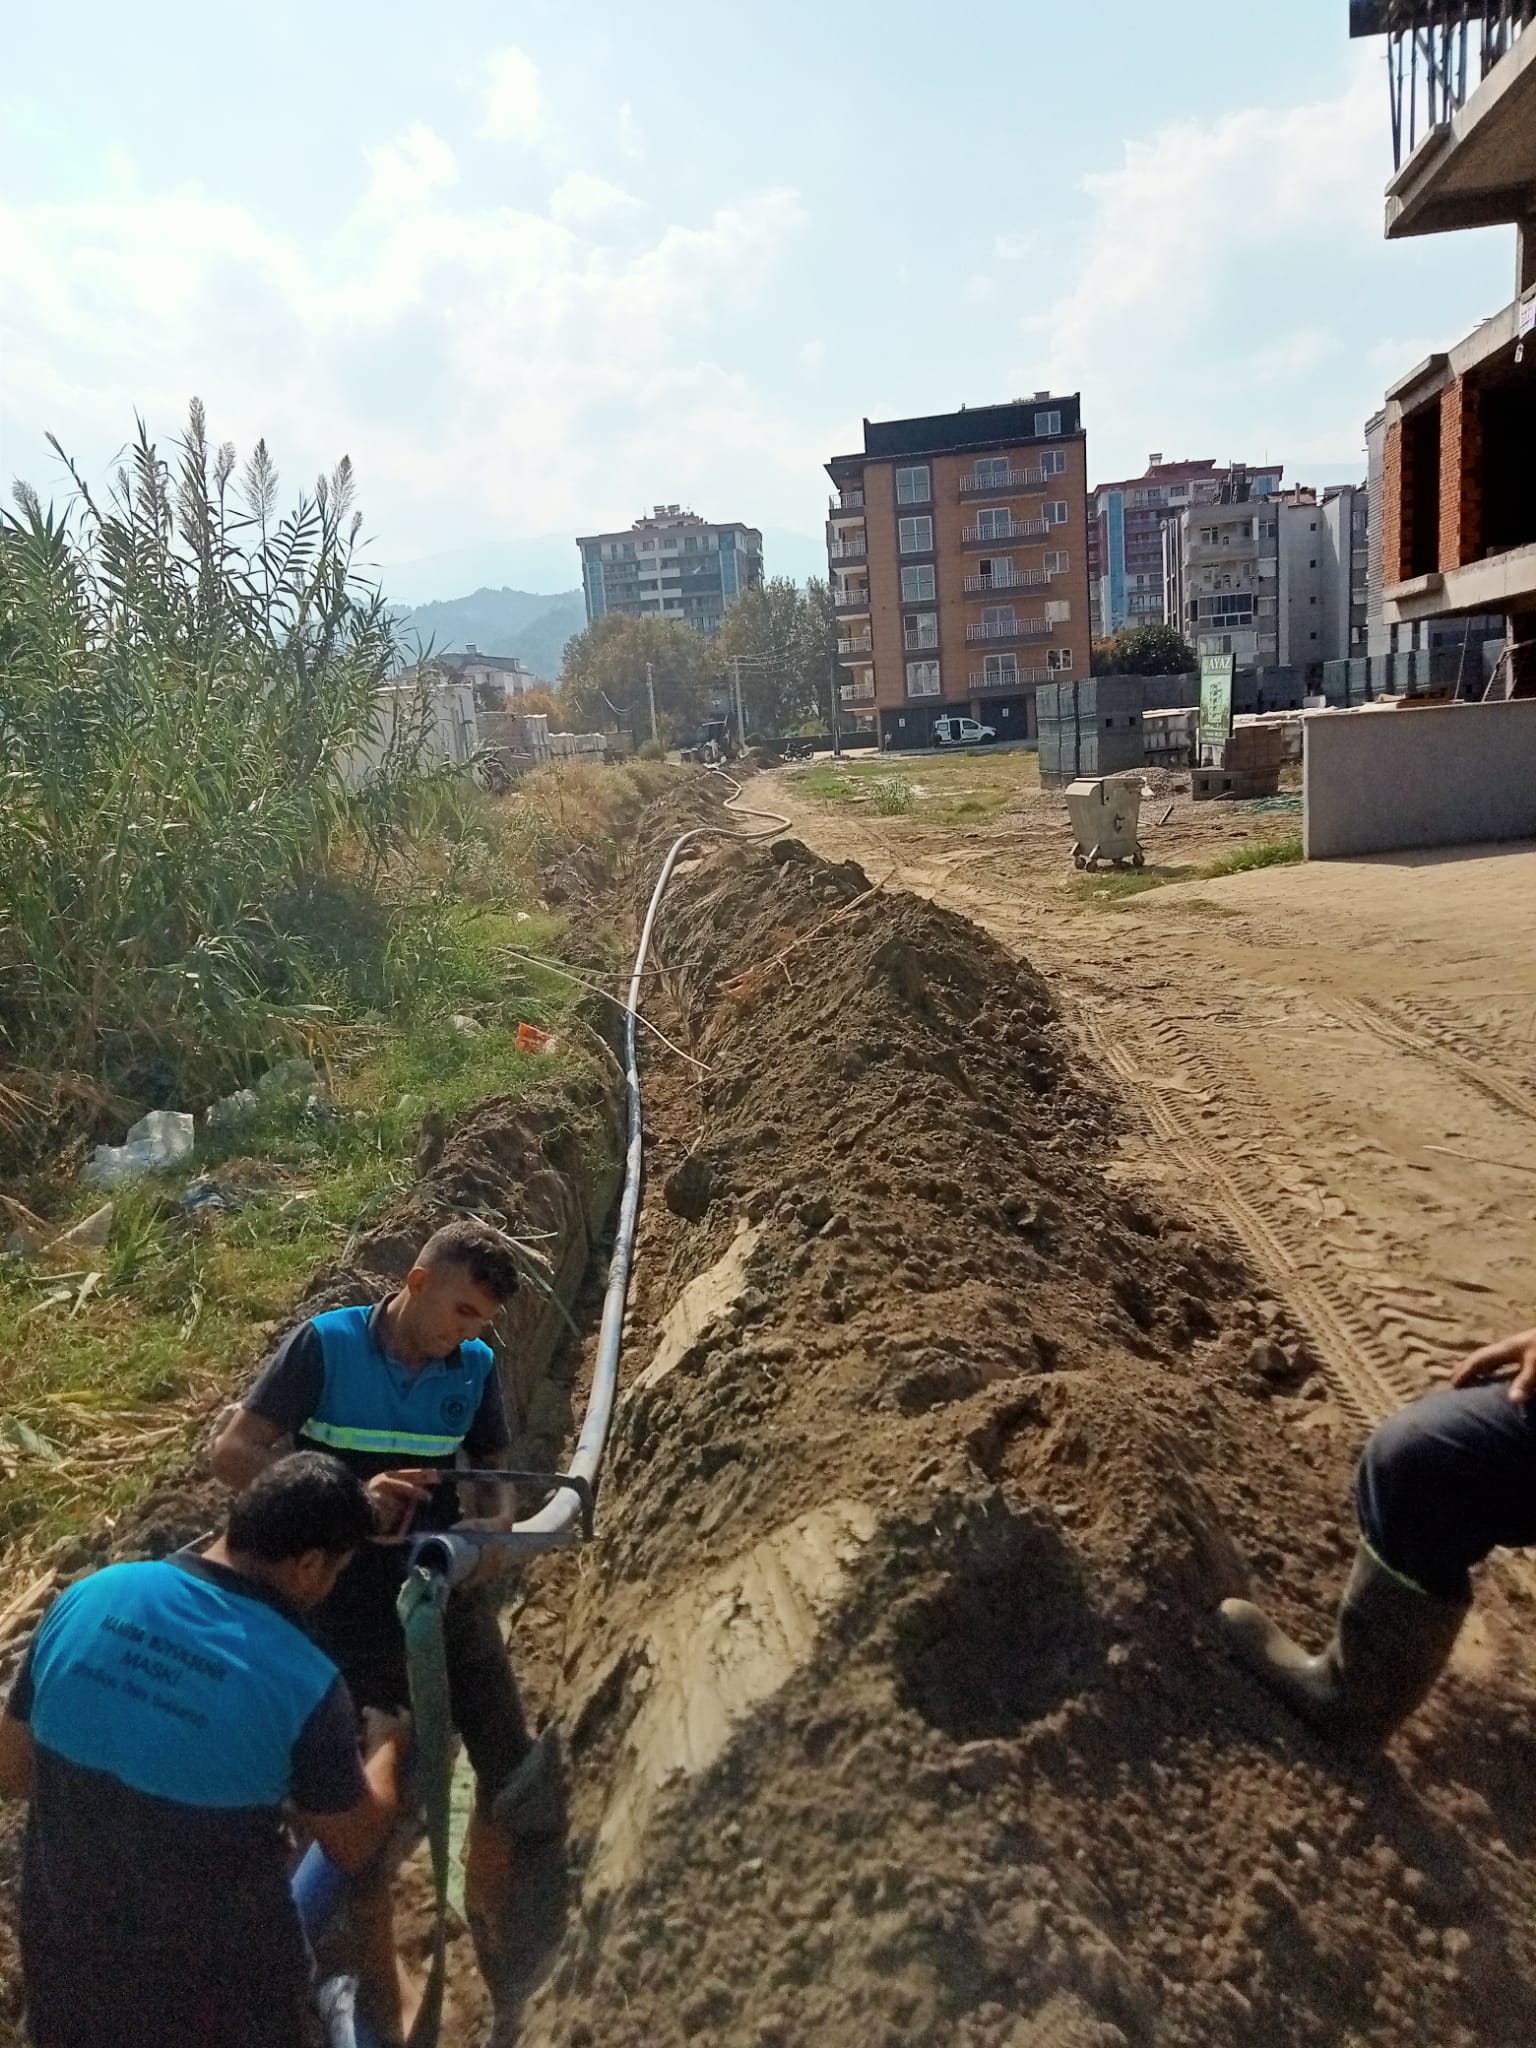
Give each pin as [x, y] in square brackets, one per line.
[537, 268]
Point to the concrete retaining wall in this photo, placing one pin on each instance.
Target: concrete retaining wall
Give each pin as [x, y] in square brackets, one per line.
[1385, 781]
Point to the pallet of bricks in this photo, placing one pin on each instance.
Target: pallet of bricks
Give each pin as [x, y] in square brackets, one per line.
[1089, 728]
[1250, 764]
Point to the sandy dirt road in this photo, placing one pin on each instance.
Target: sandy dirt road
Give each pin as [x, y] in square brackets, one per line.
[1336, 1064]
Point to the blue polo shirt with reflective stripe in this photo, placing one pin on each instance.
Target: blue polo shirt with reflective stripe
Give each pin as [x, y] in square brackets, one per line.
[333, 1385]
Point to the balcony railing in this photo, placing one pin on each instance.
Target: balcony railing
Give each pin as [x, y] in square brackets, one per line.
[847, 550]
[1021, 529]
[1437, 56]
[1008, 480]
[844, 503]
[850, 600]
[1012, 629]
[921, 643]
[1021, 579]
[857, 693]
[855, 643]
[1016, 679]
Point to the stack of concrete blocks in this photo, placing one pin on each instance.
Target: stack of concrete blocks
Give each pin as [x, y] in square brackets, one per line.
[1250, 764]
[1089, 728]
[1169, 738]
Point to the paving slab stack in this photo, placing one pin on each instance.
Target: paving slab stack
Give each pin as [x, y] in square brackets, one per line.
[1089, 728]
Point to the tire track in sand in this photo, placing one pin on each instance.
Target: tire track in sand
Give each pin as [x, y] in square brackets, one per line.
[1366, 1368]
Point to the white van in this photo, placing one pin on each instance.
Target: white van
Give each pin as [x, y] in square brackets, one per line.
[962, 732]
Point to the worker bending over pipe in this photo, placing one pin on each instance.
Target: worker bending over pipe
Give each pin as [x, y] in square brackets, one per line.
[164, 1716]
[1439, 1486]
[398, 1392]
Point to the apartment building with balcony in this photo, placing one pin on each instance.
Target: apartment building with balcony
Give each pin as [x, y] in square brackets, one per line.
[1275, 580]
[672, 565]
[1458, 514]
[1125, 536]
[957, 551]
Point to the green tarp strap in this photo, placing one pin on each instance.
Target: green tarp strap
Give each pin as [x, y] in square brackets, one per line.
[420, 1607]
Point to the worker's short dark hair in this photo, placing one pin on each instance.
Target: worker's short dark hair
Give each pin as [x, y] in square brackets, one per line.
[485, 1255]
[307, 1501]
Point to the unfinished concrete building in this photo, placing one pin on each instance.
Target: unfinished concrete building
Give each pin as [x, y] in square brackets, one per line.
[1458, 524]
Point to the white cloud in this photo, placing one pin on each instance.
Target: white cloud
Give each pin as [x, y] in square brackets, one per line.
[1014, 248]
[407, 172]
[812, 354]
[1248, 237]
[630, 139]
[514, 98]
[980, 287]
[581, 200]
[491, 372]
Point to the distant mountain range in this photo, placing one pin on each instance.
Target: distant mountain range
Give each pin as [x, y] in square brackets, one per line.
[532, 625]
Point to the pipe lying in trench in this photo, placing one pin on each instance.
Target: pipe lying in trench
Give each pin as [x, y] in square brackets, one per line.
[319, 1887]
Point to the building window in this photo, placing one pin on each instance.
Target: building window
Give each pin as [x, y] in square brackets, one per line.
[998, 619]
[912, 486]
[922, 679]
[994, 522]
[921, 629]
[1058, 657]
[1057, 611]
[1054, 462]
[995, 569]
[1000, 669]
[1057, 562]
[1054, 512]
[992, 469]
[915, 536]
[917, 584]
[1047, 422]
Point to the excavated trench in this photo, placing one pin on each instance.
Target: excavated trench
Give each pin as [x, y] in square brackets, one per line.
[547, 1172]
[894, 1705]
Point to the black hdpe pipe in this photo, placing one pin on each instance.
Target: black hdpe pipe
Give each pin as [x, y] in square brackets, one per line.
[320, 1886]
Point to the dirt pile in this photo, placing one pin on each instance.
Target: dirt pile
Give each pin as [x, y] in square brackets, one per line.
[894, 1704]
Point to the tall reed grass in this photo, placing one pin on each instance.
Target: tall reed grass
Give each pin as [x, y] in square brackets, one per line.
[192, 868]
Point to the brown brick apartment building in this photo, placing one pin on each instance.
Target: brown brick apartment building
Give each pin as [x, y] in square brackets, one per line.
[958, 546]
[1458, 510]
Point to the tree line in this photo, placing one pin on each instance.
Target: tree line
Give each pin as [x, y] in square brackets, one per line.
[783, 637]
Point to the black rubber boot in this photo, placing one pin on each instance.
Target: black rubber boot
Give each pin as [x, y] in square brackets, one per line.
[1390, 1643]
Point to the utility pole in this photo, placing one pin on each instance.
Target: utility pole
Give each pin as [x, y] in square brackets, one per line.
[741, 719]
[650, 691]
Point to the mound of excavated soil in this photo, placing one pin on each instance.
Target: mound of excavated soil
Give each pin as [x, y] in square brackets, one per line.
[895, 1707]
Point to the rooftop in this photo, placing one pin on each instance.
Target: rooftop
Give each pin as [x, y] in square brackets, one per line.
[974, 427]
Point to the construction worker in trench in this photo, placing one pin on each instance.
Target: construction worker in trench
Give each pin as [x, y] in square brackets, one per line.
[397, 1392]
[164, 1717]
[1439, 1486]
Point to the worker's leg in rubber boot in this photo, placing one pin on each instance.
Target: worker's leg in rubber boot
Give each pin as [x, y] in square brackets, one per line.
[1439, 1486]
[1390, 1643]
[515, 1868]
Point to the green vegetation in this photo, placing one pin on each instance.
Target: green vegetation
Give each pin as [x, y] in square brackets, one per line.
[109, 1379]
[1114, 886]
[965, 789]
[214, 855]
[1261, 853]
[191, 842]
[1144, 651]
